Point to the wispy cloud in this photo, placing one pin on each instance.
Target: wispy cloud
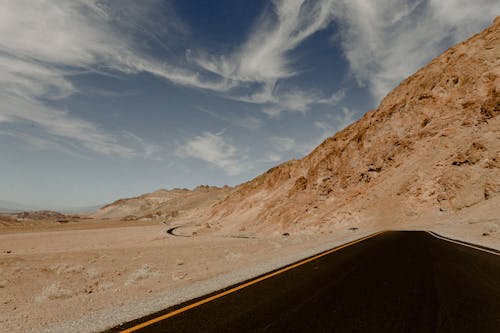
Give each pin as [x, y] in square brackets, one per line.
[43, 43]
[282, 143]
[280, 148]
[92, 35]
[37, 142]
[249, 122]
[283, 148]
[331, 123]
[334, 122]
[60, 124]
[387, 40]
[383, 41]
[264, 59]
[214, 149]
[276, 101]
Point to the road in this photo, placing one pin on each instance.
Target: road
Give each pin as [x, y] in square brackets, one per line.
[392, 282]
[171, 232]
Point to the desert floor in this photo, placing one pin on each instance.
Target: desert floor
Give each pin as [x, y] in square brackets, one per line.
[88, 275]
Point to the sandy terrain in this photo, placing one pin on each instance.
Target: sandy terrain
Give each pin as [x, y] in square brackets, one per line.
[48, 277]
[428, 159]
[89, 278]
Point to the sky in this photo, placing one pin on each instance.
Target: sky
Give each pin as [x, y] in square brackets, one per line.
[107, 99]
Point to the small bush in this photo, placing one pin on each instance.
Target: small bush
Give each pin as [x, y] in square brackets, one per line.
[145, 272]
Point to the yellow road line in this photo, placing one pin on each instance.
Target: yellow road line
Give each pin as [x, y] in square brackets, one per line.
[232, 290]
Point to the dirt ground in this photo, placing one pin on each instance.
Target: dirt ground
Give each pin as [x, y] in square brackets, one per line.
[62, 272]
[52, 274]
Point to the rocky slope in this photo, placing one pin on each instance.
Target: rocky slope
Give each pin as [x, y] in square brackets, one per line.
[35, 216]
[431, 149]
[163, 204]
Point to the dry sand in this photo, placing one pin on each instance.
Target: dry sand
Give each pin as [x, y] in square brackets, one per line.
[89, 279]
[47, 277]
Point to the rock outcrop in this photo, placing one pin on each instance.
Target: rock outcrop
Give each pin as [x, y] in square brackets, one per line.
[431, 148]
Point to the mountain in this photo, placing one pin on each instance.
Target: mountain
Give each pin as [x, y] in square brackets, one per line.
[79, 210]
[10, 207]
[431, 150]
[13, 207]
[164, 204]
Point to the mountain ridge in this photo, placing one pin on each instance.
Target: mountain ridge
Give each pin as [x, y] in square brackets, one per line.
[431, 150]
[444, 117]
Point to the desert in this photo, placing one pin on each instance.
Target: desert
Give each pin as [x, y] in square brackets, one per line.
[427, 158]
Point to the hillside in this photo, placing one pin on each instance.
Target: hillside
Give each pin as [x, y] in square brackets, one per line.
[163, 204]
[431, 150]
[34, 217]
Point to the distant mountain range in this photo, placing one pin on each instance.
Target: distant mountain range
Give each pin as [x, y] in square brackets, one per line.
[13, 207]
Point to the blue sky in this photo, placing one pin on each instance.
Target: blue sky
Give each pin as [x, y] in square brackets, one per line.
[107, 99]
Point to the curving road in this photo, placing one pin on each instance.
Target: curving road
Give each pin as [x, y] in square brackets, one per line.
[172, 233]
[392, 282]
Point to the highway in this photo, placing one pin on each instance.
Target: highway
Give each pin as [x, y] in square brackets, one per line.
[392, 282]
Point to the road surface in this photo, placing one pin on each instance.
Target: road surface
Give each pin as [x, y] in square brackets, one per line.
[392, 282]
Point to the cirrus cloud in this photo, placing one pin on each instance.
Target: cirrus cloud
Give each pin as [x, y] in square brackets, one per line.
[44, 43]
[387, 40]
[215, 150]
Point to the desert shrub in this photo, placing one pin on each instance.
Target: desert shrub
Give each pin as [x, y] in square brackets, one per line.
[53, 291]
[144, 272]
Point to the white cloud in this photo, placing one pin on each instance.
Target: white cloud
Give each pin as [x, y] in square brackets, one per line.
[60, 125]
[384, 42]
[282, 143]
[264, 57]
[43, 43]
[38, 143]
[214, 149]
[387, 40]
[331, 124]
[283, 148]
[29, 79]
[272, 157]
[89, 34]
[249, 122]
[334, 122]
[280, 149]
[275, 101]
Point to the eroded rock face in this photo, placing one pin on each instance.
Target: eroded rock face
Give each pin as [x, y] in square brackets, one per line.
[433, 145]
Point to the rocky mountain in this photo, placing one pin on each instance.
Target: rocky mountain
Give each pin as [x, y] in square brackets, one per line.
[164, 204]
[431, 149]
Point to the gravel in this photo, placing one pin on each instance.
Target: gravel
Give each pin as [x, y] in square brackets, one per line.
[101, 320]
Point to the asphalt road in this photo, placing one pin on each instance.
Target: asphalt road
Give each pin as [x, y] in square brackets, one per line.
[393, 282]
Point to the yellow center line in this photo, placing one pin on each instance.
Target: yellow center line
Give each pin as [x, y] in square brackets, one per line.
[232, 290]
